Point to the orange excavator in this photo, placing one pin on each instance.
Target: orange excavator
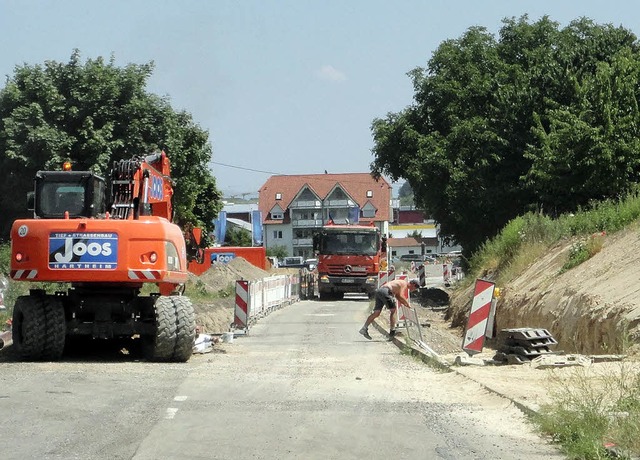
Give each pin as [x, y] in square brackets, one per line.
[106, 253]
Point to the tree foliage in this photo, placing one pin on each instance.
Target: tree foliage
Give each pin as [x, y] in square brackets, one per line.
[236, 236]
[94, 114]
[405, 194]
[278, 251]
[540, 118]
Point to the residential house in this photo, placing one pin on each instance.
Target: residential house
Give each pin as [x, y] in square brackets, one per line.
[403, 246]
[407, 220]
[294, 206]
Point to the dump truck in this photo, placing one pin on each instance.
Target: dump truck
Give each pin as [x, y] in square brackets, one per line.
[349, 259]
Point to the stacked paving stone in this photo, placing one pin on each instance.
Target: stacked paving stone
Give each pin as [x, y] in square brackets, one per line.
[518, 346]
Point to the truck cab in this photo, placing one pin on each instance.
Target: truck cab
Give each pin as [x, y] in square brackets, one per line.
[349, 258]
[78, 193]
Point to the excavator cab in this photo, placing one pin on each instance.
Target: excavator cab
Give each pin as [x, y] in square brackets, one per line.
[80, 193]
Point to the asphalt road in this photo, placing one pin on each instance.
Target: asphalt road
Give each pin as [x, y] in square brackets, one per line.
[303, 384]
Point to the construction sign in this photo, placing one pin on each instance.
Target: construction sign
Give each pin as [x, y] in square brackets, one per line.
[478, 317]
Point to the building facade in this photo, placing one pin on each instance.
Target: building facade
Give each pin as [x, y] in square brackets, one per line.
[294, 206]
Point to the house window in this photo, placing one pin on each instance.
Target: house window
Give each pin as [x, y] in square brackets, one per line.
[278, 196]
[277, 234]
[369, 193]
[370, 212]
[277, 216]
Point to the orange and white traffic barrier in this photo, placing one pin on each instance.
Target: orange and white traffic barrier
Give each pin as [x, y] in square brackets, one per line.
[385, 276]
[478, 317]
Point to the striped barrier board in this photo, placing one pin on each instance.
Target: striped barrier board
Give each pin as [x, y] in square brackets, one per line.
[401, 316]
[478, 322]
[241, 315]
[385, 276]
[258, 298]
[446, 275]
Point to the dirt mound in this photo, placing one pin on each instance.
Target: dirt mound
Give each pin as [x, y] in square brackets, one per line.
[221, 276]
[214, 314]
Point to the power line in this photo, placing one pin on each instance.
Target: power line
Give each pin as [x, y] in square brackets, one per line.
[316, 176]
[246, 169]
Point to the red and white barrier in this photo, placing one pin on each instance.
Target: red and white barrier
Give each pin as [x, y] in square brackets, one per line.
[241, 314]
[478, 317]
[385, 276]
[258, 298]
[400, 311]
[446, 272]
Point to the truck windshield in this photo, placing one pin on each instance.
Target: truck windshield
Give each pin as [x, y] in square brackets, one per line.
[350, 243]
[58, 197]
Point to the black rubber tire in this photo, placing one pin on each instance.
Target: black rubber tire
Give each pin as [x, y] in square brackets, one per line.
[185, 329]
[161, 344]
[38, 328]
[28, 328]
[55, 329]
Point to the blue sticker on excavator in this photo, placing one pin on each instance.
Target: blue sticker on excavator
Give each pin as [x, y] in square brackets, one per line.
[83, 251]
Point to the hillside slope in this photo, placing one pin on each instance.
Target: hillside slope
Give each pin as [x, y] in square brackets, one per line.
[593, 308]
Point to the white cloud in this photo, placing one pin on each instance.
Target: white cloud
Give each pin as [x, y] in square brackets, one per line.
[328, 72]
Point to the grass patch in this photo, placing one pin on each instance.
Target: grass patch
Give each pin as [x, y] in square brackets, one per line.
[589, 412]
[527, 237]
[586, 412]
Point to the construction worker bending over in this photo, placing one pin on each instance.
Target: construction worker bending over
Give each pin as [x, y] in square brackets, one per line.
[388, 294]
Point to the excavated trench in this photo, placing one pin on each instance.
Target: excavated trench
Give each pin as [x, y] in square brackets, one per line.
[593, 308]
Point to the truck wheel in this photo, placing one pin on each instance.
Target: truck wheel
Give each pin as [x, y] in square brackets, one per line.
[160, 345]
[38, 328]
[55, 329]
[185, 329]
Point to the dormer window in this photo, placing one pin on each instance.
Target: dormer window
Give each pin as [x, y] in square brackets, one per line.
[278, 196]
[369, 193]
[277, 216]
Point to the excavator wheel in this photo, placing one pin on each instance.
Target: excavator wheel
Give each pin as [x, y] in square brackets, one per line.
[161, 344]
[38, 328]
[185, 328]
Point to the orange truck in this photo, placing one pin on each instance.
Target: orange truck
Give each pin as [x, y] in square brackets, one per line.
[104, 254]
[349, 259]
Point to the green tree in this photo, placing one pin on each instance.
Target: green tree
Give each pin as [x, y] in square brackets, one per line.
[93, 114]
[279, 252]
[406, 194]
[238, 237]
[416, 235]
[541, 118]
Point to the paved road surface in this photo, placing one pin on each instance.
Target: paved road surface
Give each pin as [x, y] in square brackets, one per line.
[302, 385]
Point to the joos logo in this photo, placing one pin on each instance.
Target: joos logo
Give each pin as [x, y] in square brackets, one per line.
[83, 250]
[222, 257]
[157, 191]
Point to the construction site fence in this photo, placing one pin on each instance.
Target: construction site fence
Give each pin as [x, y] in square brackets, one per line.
[257, 298]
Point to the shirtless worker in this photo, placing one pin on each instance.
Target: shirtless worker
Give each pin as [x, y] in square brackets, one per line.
[388, 294]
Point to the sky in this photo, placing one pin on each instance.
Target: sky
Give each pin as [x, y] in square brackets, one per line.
[281, 86]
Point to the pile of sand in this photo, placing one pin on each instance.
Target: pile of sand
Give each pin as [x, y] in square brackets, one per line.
[220, 276]
[215, 314]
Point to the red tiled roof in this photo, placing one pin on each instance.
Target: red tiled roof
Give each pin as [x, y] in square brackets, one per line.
[354, 184]
[402, 242]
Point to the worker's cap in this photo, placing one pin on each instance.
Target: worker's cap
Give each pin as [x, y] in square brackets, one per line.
[415, 282]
